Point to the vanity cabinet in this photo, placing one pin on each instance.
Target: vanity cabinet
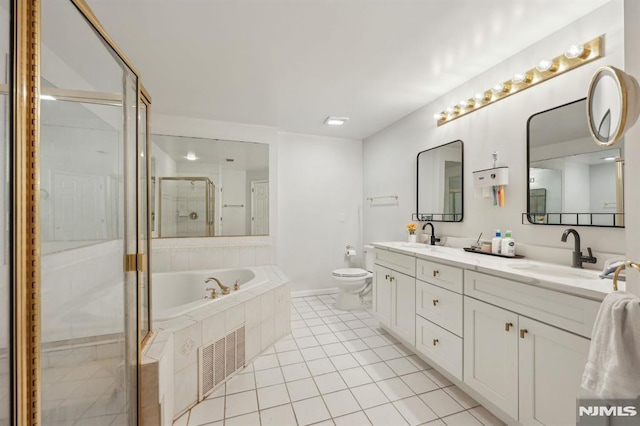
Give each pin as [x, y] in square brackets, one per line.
[394, 291]
[529, 369]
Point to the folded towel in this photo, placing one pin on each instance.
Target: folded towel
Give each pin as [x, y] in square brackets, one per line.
[613, 365]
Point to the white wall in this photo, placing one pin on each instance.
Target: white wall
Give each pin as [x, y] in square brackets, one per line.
[319, 207]
[632, 146]
[389, 156]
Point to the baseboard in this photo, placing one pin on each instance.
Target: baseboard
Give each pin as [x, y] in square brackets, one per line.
[303, 293]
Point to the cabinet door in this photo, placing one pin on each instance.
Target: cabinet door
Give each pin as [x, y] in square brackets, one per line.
[403, 306]
[551, 366]
[491, 353]
[382, 295]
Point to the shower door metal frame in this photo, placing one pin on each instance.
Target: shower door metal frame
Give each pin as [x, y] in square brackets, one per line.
[25, 215]
[209, 198]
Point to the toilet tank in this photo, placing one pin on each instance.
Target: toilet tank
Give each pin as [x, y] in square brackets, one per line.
[369, 257]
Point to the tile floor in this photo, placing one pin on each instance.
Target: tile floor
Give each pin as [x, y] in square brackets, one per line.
[337, 368]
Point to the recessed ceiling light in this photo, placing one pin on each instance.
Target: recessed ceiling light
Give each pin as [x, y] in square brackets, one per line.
[47, 98]
[191, 156]
[336, 121]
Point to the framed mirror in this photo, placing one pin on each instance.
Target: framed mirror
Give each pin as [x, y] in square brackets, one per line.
[611, 105]
[209, 187]
[571, 180]
[440, 184]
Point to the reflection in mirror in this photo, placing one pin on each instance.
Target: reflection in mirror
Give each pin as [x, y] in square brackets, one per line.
[439, 185]
[209, 187]
[572, 181]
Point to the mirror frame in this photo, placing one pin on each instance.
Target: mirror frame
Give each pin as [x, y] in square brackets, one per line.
[528, 188]
[420, 217]
[627, 90]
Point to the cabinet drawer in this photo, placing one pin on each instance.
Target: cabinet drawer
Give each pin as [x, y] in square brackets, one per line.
[396, 261]
[441, 306]
[565, 311]
[439, 345]
[448, 277]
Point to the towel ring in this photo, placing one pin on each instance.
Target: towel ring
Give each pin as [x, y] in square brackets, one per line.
[620, 268]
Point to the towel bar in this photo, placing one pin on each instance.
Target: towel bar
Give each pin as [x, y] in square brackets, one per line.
[620, 268]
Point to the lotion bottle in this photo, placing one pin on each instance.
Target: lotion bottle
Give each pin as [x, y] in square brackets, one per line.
[496, 243]
[508, 245]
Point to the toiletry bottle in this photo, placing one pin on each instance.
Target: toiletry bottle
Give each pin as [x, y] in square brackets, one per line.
[508, 246]
[495, 243]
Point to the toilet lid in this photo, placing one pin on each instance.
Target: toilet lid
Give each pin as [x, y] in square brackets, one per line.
[350, 272]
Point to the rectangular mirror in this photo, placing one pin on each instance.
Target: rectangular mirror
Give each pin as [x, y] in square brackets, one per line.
[439, 183]
[571, 180]
[209, 187]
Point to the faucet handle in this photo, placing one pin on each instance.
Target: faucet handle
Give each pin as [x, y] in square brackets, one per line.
[591, 259]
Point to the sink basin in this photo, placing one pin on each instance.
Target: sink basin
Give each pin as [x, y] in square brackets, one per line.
[413, 245]
[555, 271]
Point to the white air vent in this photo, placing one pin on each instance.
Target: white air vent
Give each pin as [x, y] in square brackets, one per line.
[218, 360]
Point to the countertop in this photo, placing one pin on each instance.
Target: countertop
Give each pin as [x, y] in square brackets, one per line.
[564, 279]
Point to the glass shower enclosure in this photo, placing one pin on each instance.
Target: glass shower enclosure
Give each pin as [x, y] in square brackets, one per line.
[186, 207]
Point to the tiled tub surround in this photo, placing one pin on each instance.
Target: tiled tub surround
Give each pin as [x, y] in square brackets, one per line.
[187, 254]
[170, 362]
[337, 368]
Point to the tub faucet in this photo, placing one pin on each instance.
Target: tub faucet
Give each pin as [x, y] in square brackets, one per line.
[433, 240]
[224, 288]
[213, 295]
[577, 258]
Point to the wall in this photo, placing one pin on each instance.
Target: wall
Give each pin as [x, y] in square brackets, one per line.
[389, 155]
[632, 146]
[319, 207]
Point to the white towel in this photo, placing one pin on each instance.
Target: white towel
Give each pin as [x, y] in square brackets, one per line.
[613, 366]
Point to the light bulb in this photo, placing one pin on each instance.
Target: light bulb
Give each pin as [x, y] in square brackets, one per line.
[452, 110]
[547, 65]
[576, 51]
[466, 103]
[439, 116]
[521, 77]
[499, 88]
[481, 96]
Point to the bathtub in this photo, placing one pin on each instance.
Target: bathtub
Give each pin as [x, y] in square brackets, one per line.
[178, 293]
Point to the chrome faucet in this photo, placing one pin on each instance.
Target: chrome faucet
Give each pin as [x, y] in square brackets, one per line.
[224, 288]
[578, 258]
[433, 240]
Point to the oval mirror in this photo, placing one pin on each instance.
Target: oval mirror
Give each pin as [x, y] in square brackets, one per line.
[611, 105]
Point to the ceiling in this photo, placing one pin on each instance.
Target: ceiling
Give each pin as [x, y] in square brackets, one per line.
[291, 63]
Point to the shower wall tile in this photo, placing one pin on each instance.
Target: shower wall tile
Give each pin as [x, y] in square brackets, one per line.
[199, 259]
[267, 301]
[234, 317]
[179, 261]
[252, 312]
[161, 261]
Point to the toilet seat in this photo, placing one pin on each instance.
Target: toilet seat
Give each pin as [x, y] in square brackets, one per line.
[350, 273]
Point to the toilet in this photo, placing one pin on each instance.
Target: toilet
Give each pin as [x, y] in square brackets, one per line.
[354, 284]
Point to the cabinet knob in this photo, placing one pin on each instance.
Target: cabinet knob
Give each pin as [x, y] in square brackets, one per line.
[523, 331]
[435, 272]
[435, 342]
[507, 326]
[435, 302]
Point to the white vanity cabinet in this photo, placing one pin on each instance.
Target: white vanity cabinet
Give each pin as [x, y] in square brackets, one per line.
[394, 291]
[439, 314]
[529, 369]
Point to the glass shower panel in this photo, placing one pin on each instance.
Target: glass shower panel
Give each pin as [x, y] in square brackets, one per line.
[87, 178]
[143, 226]
[5, 236]
[186, 207]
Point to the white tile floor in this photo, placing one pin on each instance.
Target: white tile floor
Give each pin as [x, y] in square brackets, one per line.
[337, 368]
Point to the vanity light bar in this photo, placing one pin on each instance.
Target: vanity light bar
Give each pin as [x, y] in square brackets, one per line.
[546, 69]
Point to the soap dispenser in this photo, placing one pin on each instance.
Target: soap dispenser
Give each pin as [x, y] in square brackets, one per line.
[508, 245]
[496, 243]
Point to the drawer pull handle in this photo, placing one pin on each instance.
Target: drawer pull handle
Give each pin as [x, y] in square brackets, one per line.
[386, 277]
[391, 278]
[435, 273]
[435, 302]
[523, 331]
[507, 326]
[435, 342]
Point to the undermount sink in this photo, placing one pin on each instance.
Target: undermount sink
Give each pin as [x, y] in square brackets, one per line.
[413, 245]
[555, 271]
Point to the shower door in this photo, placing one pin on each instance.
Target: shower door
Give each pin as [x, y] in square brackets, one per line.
[90, 209]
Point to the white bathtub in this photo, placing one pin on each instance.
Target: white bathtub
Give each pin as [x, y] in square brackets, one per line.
[179, 293]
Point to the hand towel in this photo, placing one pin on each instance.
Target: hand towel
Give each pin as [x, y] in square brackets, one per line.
[613, 365]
